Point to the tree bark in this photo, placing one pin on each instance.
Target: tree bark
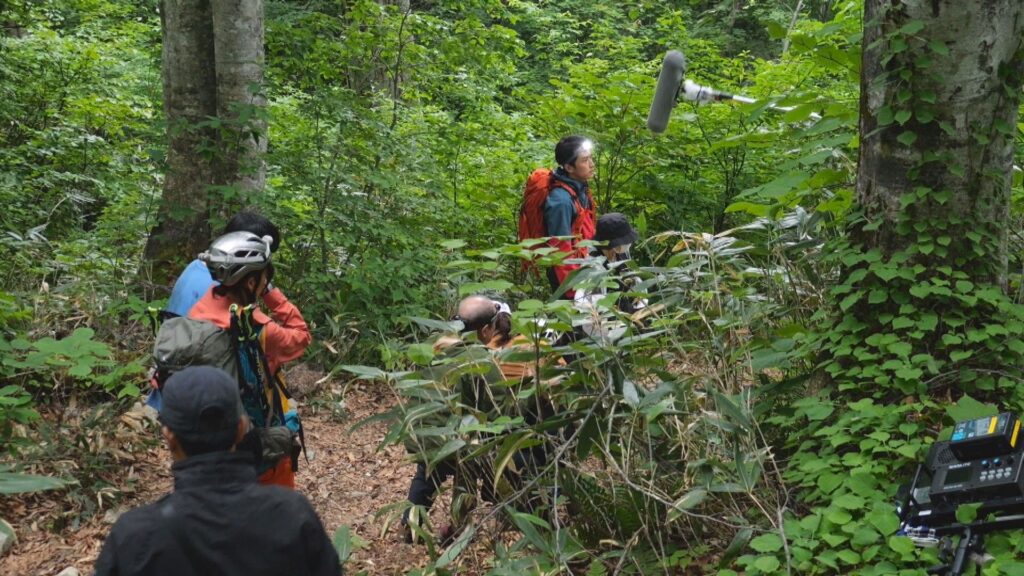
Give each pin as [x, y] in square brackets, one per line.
[964, 109]
[216, 127]
[923, 290]
[238, 46]
[189, 84]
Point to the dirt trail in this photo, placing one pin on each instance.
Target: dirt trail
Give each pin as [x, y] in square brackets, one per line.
[348, 481]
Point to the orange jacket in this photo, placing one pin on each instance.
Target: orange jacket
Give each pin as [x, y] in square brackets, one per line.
[285, 334]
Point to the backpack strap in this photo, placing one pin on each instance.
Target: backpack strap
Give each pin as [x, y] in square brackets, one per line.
[573, 194]
[156, 317]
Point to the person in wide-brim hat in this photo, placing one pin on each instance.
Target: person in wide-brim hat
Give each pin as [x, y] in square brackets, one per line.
[614, 230]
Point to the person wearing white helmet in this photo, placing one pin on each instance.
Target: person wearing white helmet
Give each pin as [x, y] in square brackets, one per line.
[195, 279]
[241, 263]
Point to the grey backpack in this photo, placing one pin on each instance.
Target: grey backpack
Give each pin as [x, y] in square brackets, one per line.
[182, 342]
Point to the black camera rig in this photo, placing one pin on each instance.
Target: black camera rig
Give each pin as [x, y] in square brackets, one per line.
[983, 464]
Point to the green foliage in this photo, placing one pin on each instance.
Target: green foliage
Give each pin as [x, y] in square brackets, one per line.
[77, 359]
[18, 483]
[15, 402]
[345, 543]
[921, 312]
[782, 380]
[623, 406]
[918, 320]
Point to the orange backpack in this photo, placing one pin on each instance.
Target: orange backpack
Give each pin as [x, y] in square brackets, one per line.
[531, 212]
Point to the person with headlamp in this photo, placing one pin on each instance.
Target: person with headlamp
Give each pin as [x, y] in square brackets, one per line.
[570, 214]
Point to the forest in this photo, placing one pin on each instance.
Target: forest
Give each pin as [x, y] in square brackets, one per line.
[829, 253]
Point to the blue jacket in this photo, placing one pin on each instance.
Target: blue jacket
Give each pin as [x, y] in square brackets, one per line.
[559, 210]
[193, 283]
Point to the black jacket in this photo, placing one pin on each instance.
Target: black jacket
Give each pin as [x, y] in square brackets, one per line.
[220, 521]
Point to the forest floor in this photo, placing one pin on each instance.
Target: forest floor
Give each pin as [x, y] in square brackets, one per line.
[348, 481]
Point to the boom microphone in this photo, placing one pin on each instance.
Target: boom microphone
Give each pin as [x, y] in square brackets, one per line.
[697, 93]
[669, 81]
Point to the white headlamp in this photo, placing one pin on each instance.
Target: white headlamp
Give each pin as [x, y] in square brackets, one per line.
[586, 147]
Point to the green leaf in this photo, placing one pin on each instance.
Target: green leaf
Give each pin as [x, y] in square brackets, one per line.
[767, 563]
[907, 138]
[829, 482]
[878, 296]
[343, 543]
[364, 372]
[17, 483]
[421, 354]
[964, 286]
[967, 513]
[450, 245]
[912, 27]
[909, 373]
[757, 210]
[775, 30]
[838, 516]
[885, 116]
[737, 545]
[901, 322]
[849, 556]
[528, 524]
[456, 548]
[529, 305]
[849, 301]
[450, 447]
[886, 273]
[777, 187]
[511, 445]
[938, 48]
[902, 116]
[901, 544]
[884, 520]
[769, 542]
[968, 408]
[928, 321]
[688, 501]
[960, 355]
[762, 359]
[901, 349]
[849, 501]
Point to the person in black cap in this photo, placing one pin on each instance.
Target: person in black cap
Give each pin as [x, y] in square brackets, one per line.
[218, 520]
[616, 236]
[614, 229]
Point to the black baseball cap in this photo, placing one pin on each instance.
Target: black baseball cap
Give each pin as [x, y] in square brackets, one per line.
[202, 404]
[614, 229]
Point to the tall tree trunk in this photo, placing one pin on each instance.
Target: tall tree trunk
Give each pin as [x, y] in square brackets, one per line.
[923, 290]
[189, 83]
[238, 42]
[212, 68]
[959, 77]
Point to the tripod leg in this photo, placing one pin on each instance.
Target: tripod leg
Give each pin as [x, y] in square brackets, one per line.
[962, 547]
